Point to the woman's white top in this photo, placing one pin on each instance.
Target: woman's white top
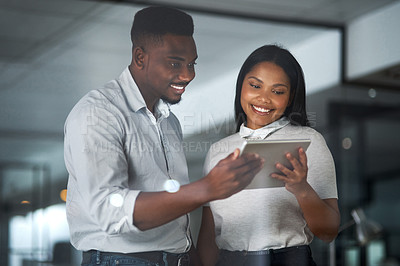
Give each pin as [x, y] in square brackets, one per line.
[269, 218]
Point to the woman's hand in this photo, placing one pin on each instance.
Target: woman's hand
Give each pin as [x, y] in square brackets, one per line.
[296, 179]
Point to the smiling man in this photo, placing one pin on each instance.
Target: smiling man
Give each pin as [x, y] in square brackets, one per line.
[129, 195]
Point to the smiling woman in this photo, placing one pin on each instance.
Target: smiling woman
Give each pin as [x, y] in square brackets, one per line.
[270, 85]
[265, 94]
[270, 104]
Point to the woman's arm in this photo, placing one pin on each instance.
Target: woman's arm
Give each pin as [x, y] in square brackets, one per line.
[194, 256]
[206, 246]
[322, 216]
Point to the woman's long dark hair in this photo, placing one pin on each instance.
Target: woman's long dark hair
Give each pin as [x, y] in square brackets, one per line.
[296, 110]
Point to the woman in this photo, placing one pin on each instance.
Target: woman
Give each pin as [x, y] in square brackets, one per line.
[272, 226]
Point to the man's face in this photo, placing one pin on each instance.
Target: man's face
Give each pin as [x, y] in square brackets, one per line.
[170, 67]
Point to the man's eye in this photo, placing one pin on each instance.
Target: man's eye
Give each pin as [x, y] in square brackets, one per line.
[175, 65]
[191, 65]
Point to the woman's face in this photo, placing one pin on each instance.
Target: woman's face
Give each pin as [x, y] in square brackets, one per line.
[265, 94]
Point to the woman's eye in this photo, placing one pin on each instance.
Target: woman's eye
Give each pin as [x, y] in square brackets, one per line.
[255, 86]
[279, 92]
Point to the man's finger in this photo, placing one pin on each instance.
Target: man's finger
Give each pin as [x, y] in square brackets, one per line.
[247, 158]
[236, 154]
[249, 167]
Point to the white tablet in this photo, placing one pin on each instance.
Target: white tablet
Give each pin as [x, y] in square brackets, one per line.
[273, 151]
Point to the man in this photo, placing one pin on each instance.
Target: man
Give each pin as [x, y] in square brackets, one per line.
[123, 146]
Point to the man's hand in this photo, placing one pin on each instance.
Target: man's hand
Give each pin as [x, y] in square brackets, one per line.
[232, 174]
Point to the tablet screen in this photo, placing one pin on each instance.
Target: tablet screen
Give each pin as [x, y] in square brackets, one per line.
[273, 151]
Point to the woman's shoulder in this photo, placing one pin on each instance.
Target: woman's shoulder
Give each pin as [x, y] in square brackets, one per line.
[220, 149]
[231, 141]
[231, 138]
[297, 132]
[318, 144]
[225, 146]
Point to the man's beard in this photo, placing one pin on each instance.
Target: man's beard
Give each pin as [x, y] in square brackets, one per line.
[171, 101]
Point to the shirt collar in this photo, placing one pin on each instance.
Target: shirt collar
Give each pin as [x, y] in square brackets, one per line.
[135, 99]
[162, 109]
[263, 132]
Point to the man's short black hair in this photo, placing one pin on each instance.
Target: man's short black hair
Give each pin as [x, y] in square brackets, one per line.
[151, 23]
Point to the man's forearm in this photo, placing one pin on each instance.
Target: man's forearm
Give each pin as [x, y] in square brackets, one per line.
[153, 209]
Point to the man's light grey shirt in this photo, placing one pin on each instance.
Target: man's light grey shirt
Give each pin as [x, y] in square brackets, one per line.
[114, 148]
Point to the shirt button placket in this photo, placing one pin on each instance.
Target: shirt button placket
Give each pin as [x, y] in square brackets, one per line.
[165, 147]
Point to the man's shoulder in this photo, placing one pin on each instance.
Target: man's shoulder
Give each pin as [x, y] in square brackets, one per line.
[91, 100]
[97, 101]
[107, 95]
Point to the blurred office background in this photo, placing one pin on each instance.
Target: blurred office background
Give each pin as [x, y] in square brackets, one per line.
[54, 51]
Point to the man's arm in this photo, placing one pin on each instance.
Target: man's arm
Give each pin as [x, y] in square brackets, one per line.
[228, 177]
[94, 148]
